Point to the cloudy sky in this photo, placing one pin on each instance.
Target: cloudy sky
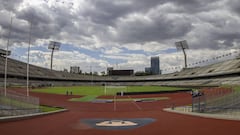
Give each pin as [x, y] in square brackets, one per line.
[123, 34]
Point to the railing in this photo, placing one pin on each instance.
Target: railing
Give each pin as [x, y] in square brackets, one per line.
[17, 104]
[218, 100]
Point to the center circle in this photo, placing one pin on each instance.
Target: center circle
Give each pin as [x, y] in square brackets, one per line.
[116, 123]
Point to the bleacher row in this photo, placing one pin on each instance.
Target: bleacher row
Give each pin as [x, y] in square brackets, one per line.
[226, 72]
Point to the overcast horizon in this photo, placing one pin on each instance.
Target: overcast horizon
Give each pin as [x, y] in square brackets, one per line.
[123, 34]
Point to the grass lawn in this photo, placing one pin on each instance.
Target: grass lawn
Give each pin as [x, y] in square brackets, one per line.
[44, 108]
[76, 90]
[234, 87]
[237, 88]
[89, 99]
[151, 88]
[99, 90]
[91, 93]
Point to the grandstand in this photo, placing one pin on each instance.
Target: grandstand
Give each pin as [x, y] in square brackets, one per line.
[226, 72]
[222, 73]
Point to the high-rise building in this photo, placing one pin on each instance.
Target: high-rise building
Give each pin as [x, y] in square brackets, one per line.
[155, 65]
[148, 70]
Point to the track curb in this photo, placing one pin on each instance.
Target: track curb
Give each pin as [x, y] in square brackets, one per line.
[202, 115]
[28, 116]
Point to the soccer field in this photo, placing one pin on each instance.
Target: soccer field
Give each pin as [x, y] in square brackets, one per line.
[100, 90]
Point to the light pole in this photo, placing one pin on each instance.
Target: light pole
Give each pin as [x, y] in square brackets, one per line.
[53, 45]
[91, 71]
[6, 59]
[29, 46]
[182, 45]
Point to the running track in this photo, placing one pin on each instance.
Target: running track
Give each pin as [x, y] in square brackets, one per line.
[67, 123]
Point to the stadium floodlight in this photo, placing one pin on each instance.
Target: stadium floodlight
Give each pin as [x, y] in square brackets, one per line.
[182, 45]
[53, 45]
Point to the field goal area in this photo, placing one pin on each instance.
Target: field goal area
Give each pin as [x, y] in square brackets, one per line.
[118, 90]
[114, 89]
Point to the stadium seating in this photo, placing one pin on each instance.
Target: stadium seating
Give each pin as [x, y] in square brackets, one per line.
[211, 75]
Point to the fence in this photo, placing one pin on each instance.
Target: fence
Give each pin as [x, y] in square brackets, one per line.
[17, 104]
[216, 100]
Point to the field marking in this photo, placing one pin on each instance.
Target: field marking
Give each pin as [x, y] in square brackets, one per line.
[115, 103]
[133, 102]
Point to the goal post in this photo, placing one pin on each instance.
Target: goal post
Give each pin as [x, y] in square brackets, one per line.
[113, 89]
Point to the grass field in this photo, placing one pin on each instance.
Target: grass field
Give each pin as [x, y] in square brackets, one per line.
[237, 88]
[44, 108]
[99, 90]
[90, 98]
[91, 93]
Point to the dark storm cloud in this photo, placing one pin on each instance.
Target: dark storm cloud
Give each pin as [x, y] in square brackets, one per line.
[188, 6]
[217, 28]
[10, 5]
[228, 39]
[234, 6]
[34, 15]
[126, 21]
[160, 28]
[5, 22]
[41, 25]
[46, 23]
[19, 28]
[194, 6]
[215, 40]
[145, 5]
[106, 12]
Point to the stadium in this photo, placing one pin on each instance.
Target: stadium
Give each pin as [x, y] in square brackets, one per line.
[117, 103]
[198, 98]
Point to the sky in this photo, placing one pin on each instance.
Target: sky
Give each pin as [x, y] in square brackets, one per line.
[124, 34]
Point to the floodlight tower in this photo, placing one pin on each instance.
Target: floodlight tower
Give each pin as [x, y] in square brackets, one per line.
[182, 45]
[53, 46]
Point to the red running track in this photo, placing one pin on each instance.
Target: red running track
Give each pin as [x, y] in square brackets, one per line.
[67, 123]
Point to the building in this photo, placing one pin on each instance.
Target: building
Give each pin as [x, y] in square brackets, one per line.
[155, 65]
[109, 69]
[75, 69]
[121, 72]
[4, 52]
[148, 70]
[65, 70]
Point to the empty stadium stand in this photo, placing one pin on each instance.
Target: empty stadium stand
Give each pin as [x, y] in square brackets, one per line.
[227, 72]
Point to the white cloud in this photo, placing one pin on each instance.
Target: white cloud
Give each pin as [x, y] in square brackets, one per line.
[113, 50]
[128, 32]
